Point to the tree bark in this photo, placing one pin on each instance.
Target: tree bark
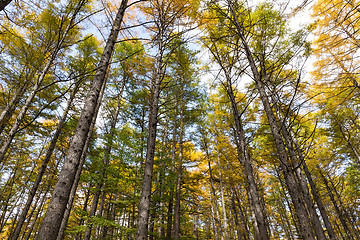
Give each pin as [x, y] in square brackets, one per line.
[144, 206]
[338, 211]
[74, 186]
[176, 229]
[254, 198]
[298, 161]
[4, 3]
[51, 223]
[226, 229]
[171, 197]
[292, 185]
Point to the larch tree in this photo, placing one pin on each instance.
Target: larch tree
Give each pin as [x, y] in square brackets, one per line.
[52, 220]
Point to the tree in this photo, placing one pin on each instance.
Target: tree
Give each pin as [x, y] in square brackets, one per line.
[52, 220]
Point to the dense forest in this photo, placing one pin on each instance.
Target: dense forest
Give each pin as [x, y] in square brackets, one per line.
[179, 119]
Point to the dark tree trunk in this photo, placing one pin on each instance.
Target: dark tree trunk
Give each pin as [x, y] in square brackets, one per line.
[53, 217]
[286, 167]
[144, 205]
[4, 3]
[74, 186]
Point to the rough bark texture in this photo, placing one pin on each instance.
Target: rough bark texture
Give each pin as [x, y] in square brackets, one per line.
[249, 173]
[297, 161]
[65, 219]
[50, 226]
[144, 205]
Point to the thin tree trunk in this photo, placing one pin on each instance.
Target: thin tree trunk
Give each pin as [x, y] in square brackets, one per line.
[53, 217]
[74, 185]
[354, 150]
[243, 216]
[176, 229]
[44, 166]
[214, 219]
[106, 160]
[226, 230]
[9, 110]
[144, 205]
[316, 196]
[171, 197]
[216, 210]
[19, 119]
[338, 210]
[292, 185]
[289, 141]
[254, 198]
[240, 233]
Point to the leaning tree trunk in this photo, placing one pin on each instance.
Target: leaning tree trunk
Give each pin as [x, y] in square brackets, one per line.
[290, 142]
[290, 179]
[51, 224]
[65, 219]
[254, 198]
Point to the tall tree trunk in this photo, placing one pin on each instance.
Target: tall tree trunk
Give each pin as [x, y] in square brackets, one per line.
[240, 232]
[44, 165]
[74, 186]
[176, 229]
[216, 207]
[144, 205]
[292, 185]
[50, 226]
[290, 142]
[338, 211]
[254, 198]
[171, 197]
[316, 196]
[214, 218]
[226, 229]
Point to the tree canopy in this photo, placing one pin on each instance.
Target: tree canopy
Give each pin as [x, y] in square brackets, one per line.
[160, 119]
